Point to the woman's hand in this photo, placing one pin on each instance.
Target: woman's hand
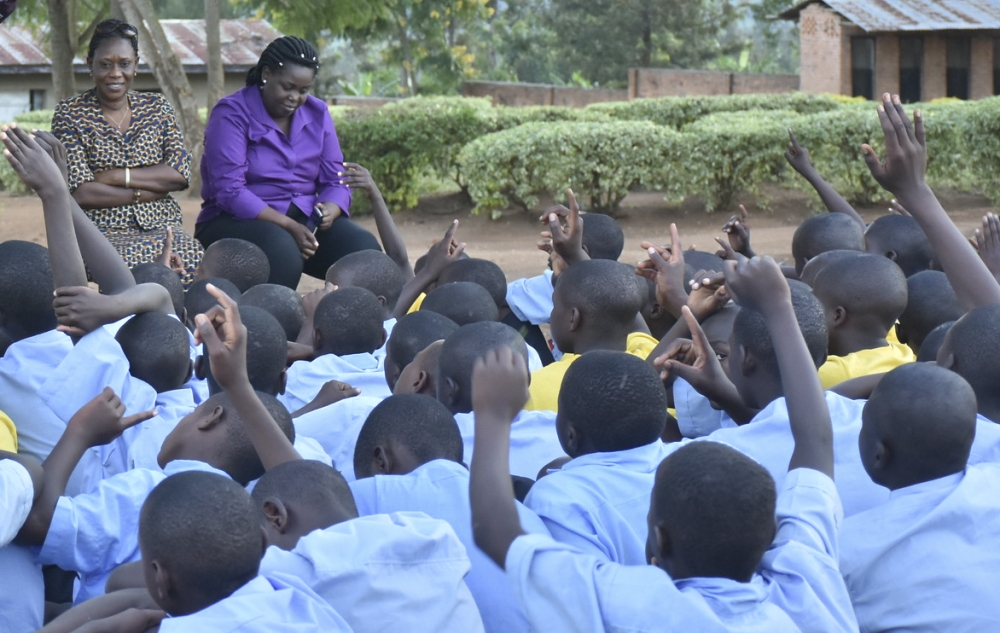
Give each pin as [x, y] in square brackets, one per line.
[304, 237]
[331, 212]
[114, 177]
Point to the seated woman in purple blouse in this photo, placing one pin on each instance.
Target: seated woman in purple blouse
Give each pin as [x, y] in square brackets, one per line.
[270, 170]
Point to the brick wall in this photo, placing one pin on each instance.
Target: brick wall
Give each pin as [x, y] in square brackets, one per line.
[752, 83]
[886, 64]
[663, 82]
[523, 94]
[981, 77]
[935, 77]
[822, 46]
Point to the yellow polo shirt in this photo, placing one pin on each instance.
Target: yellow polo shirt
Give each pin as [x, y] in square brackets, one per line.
[879, 360]
[419, 301]
[8, 434]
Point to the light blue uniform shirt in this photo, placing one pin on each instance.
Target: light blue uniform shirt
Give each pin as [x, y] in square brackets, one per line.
[696, 417]
[441, 489]
[797, 587]
[92, 534]
[306, 378]
[279, 604]
[928, 559]
[336, 427]
[386, 572]
[22, 590]
[530, 299]
[534, 442]
[379, 354]
[598, 503]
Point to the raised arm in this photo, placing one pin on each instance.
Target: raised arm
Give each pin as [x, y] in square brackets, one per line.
[357, 177]
[441, 255]
[225, 337]
[798, 157]
[903, 174]
[80, 309]
[757, 284]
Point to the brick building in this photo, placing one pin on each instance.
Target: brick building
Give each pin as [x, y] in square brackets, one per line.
[921, 49]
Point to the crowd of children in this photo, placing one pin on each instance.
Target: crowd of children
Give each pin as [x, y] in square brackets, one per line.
[701, 442]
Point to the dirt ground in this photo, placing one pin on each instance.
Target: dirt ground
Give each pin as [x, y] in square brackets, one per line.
[510, 241]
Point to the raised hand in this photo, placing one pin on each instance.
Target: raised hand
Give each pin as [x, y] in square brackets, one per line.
[708, 294]
[31, 162]
[355, 176]
[225, 336]
[102, 420]
[757, 284]
[567, 242]
[499, 385]
[988, 243]
[168, 257]
[334, 391]
[897, 209]
[739, 233]
[443, 253]
[666, 268]
[905, 164]
[55, 149]
[694, 361]
[798, 156]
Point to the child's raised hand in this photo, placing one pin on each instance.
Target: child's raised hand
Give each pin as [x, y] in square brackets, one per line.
[567, 242]
[499, 385]
[55, 149]
[81, 310]
[225, 336]
[988, 243]
[334, 391]
[757, 284]
[905, 163]
[666, 268]
[739, 234]
[355, 176]
[797, 156]
[708, 294]
[897, 209]
[168, 257]
[101, 421]
[443, 253]
[30, 161]
[693, 360]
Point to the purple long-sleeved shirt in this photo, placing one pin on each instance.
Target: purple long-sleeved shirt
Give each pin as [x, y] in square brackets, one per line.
[250, 164]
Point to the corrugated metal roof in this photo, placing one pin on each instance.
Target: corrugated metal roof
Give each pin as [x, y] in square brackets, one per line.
[912, 15]
[242, 43]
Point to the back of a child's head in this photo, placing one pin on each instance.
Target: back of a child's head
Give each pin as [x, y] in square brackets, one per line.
[349, 321]
[918, 425]
[240, 456]
[932, 343]
[198, 300]
[717, 507]
[900, 239]
[26, 288]
[825, 232]
[200, 535]
[604, 293]
[615, 401]
[930, 302]
[158, 350]
[281, 302]
[459, 354]
[241, 262]
[372, 270]
[267, 350]
[700, 260]
[602, 236]
[154, 273]
[972, 350]
[418, 424]
[870, 288]
[478, 271]
[816, 265]
[463, 302]
[411, 335]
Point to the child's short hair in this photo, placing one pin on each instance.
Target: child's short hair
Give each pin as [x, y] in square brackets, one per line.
[153, 273]
[616, 400]
[932, 343]
[239, 451]
[750, 329]
[718, 506]
[479, 271]
[930, 302]
[420, 423]
[308, 483]
[817, 264]
[372, 270]
[241, 262]
[207, 530]
[602, 236]
[412, 334]
[469, 343]
[26, 288]
[901, 239]
[267, 350]
[281, 302]
[825, 232]
[463, 302]
[605, 291]
[974, 344]
[158, 350]
[868, 286]
[349, 321]
[700, 260]
[926, 416]
[197, 299]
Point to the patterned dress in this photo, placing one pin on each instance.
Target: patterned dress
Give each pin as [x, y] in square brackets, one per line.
[94, 145]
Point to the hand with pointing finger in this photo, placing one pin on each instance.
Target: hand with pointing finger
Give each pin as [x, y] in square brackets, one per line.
[665, 267]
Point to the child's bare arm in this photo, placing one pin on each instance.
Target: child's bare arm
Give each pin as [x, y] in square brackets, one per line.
[357, 177]
[81, 309]
[112, 604]
[99, 422]
[798, 157]
[225, 337]
[499, 392]
[34, 469]
[441, 255]
[903, 174]
[757, 284]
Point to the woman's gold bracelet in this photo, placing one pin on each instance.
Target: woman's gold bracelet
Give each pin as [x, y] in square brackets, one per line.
[128, 178]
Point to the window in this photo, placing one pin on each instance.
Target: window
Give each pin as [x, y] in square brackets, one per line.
[996, 66]
[911, 67]
[37, 98]
[863, 67]
[959, 61]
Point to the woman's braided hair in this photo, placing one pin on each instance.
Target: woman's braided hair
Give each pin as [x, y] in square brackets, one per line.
[288, 49]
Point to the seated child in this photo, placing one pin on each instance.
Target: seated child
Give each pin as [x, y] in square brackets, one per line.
[863, 297]
[695, 415]
[815, 265]
[826, 232]
[463, 302]
[612, 408]
[374, 271]
[154, 273]
[347, 331]
[595, 305]
[409, 459]
[413, 333]
[901, 239]
[198, 300]
[971, 349]
[534, 442]
[201, 545]
[241, 262]
[378, 572]
[928, 558]
[281, 302]
[721, 560]
[930, 302]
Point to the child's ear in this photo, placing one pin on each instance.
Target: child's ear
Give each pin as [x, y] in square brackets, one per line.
[881, 456]
[891, 255]
[421, 382]
[382, 462]
[839, 316]
[451, 392]
[282, 382]
[276, 514]
[211, 420]
[317, 339]
[664, 548]
[164, 584]
[572, 440]
[656, 311]
[749, 364]
[574, 319]
[200, 368]
[382, 300]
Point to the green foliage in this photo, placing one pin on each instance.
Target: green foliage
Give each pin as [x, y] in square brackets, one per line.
[981, 147]
[677, 112]
[36, 120]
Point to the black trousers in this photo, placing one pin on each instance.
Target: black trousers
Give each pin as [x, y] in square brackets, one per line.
[342, 238]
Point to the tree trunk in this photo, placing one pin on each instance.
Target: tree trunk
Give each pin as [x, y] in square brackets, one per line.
[213, 38]
[169, 72]
[63, 39]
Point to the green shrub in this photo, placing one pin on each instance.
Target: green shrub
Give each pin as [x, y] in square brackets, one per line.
[505, 117]
[677, 112]
[599, 161]
[949, 143]
[37, 119]
[982, 147]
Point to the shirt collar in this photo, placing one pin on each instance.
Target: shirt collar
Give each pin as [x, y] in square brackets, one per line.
[639, 458]
[939, 486]
[256, 104]
[725, 595]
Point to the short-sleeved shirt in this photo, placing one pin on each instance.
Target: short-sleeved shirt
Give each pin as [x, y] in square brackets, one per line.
[8, 434]
[306, 378]
[336, 427]
[534, 442]
[866, 362]
[94, 145]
